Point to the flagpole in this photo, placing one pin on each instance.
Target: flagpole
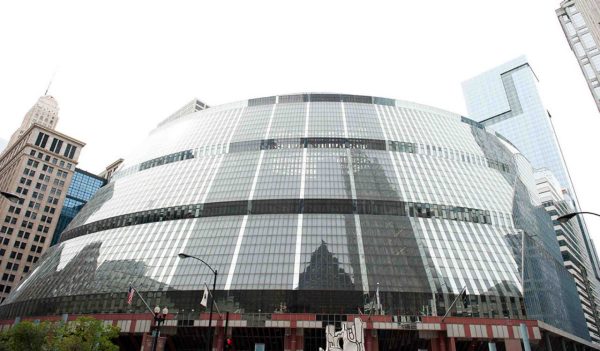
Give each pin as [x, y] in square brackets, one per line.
[144, 301]
[212, 296]
[210, 335]
[454, 302]
[379, 312]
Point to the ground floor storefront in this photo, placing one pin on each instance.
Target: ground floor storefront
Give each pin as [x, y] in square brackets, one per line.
[303, 331]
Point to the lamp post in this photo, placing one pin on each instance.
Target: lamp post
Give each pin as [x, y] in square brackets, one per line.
[568, 216]
[212, 301]
[11, 197]
[159, 318]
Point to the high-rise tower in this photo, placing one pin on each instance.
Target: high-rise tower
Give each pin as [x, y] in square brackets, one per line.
[580, 20]
[506, 99]
[44, 113]
[37, 165]
[38, 168]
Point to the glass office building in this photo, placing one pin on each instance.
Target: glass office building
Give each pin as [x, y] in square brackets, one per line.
[83, 186]
[506, 99]
[314, 201]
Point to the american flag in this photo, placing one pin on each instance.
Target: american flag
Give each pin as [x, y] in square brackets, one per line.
[130, 294]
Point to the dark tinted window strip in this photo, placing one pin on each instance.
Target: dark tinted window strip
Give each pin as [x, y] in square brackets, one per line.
[262, 101]
[318, 143]
[288, 99]
[321, 143]
[359, 99]
[285, 206]
[471, 122]
[178, 156]
[384, 101]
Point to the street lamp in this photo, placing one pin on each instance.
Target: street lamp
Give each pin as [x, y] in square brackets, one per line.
[212, 301]
[568, 216]
[11, 197]
[159, 318]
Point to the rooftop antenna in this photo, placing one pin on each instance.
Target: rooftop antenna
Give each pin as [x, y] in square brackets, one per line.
[50, 82]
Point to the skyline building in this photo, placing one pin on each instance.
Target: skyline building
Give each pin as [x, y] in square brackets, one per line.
[83, 186]
[506, 99]
[44, 112]
[37, 167]
[572, 246]
[108, 172]
[580, 21]
[315, 204]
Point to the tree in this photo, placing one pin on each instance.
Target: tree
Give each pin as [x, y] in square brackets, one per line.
[27, 336]
[86, 334]
[83, 334]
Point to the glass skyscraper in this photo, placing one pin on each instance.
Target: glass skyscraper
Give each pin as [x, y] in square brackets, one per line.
[315, 202]
[506, 99]
[83, 186]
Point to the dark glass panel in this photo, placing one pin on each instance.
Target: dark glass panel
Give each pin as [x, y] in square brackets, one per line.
[262, 101]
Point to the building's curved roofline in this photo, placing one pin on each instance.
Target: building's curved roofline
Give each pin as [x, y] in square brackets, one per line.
[318, 97]
[333, 97]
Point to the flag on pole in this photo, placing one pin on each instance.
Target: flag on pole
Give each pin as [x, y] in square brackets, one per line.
[130, 294]
[204, 301]
[464, 297]
[379, 307]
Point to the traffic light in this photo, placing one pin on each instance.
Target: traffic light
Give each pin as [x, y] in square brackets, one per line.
[229, 344]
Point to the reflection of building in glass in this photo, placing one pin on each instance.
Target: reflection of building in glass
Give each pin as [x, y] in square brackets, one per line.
[324, 272]
[506, 99]
[83, 186]
[580, 20]
[312, 201]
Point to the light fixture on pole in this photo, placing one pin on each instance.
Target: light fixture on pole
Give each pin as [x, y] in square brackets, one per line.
[212, 301]
[565, 218]
[159, 318]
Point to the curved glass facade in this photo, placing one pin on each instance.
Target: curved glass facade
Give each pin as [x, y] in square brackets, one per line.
[312, 200]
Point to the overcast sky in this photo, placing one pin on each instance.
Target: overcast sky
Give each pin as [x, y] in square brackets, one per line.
[123, 66]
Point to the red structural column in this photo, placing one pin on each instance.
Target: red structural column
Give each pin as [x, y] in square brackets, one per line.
[289, 340]
[513, 344]
[375, 341]
[147, 341]
[293, 338]
[434, 345]
[452, 344]
[220, 339]
[443, 343]
[368, 341]
[300, 340]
